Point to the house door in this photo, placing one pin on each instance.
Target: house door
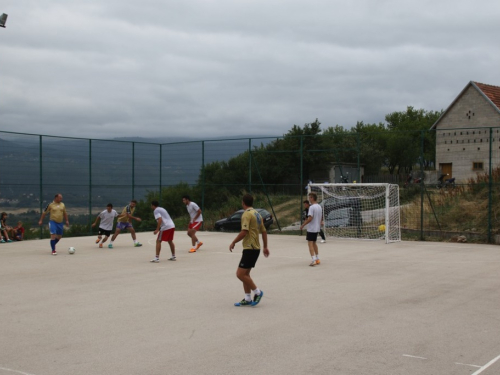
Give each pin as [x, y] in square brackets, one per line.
[446, 168]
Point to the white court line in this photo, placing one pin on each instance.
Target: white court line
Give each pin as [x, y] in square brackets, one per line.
[18, 372]
[465, 364]
[412, 356]
[486, 365]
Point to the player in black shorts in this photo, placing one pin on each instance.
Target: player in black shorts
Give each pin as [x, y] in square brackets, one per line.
[251, 225]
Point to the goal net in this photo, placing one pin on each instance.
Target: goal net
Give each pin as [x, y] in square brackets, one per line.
[360, 211]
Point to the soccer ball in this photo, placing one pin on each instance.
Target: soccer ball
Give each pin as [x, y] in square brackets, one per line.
[381, 228]
[71, 250]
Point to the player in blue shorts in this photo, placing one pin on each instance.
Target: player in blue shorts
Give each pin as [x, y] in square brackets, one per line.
[57, 211]
[124, 222]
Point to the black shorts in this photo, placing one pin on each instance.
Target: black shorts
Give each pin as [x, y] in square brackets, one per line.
[104, 231]
[311, 236]
[249, 258]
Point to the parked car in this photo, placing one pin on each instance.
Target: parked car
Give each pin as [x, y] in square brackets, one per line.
[342, 212]
[233, 222]
[338, 218]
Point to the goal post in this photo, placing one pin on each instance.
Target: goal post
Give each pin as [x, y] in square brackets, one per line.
[360, 211]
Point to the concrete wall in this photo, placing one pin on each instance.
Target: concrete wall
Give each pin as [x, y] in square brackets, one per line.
[469, 141]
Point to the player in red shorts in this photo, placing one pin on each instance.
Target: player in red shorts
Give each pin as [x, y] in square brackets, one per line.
[165, 230]
[196, 219]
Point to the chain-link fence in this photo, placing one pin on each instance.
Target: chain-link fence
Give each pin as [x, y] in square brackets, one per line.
[449, 178]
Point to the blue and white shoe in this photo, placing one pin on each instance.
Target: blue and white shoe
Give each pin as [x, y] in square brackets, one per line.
[244, 302]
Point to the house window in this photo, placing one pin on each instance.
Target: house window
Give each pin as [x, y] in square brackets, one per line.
[477, 166]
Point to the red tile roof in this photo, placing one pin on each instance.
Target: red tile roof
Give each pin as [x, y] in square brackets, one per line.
[492, 92]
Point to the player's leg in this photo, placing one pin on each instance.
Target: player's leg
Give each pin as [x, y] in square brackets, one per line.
[56, 230]
[99, 236]
[117, 232]
[156, 259]
[248, 261]
[134, 237]
[191, 233]
[172, 249]
[322, 234]
[193, 228]
[315, 246]
[244, 275]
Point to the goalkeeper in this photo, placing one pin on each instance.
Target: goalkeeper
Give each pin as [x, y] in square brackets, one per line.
[305, 213]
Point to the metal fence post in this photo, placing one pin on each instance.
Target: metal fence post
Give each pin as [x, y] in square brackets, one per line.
[41, 182]
[422, 137]
[159, 191]
[490, 188]
[202, 176]
[133, 170]
[250, 165]
[90, 186]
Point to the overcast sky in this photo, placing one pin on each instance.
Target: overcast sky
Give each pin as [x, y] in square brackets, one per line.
[210, 68]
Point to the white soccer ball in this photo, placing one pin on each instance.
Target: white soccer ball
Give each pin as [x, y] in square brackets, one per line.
[71, 250]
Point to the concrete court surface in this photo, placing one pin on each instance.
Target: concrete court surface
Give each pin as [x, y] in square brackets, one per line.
[369, 308]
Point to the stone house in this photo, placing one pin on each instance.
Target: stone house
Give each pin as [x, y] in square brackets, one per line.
[467, 130]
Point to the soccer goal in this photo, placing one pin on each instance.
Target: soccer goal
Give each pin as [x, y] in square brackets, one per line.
[360, 211]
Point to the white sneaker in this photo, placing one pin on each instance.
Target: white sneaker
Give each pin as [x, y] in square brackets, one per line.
[155, 260]
[322, 241]
[172, 258]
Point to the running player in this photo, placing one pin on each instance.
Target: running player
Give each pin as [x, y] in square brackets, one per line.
[165, 230]
[58, 212]
[125, 222]
[196, 219]
[107, 217]
[251, 225]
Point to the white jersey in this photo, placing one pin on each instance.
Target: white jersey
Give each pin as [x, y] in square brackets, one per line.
[316, 212]
[193, 210]
[107, 219]
[166, 221]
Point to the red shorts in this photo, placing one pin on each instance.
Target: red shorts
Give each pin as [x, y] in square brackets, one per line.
[196, 225]
[166, 235]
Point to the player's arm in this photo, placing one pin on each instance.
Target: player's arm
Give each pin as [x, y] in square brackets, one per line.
[66, 217]
[198, 213]
[96, 220]
[308, 220]
[43, 215]
[158, 226]
[264, 241]
[238, 238]
[129, 215]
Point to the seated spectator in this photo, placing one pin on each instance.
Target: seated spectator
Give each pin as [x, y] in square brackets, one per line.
[4, 228]
[17, 233]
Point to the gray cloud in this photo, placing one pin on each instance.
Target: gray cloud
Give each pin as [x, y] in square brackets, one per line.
[218, 68]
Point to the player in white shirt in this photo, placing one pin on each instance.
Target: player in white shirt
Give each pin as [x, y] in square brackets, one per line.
[107, 218]
[165, 230]
[313, 222]
[195, 221]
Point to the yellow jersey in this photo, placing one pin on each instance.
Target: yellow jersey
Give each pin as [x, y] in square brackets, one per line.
[252, 222]
[57, 211]
[126, 210]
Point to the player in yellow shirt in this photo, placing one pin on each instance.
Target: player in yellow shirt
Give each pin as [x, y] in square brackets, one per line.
[57, 211]
[125, 222]
[251, 225]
